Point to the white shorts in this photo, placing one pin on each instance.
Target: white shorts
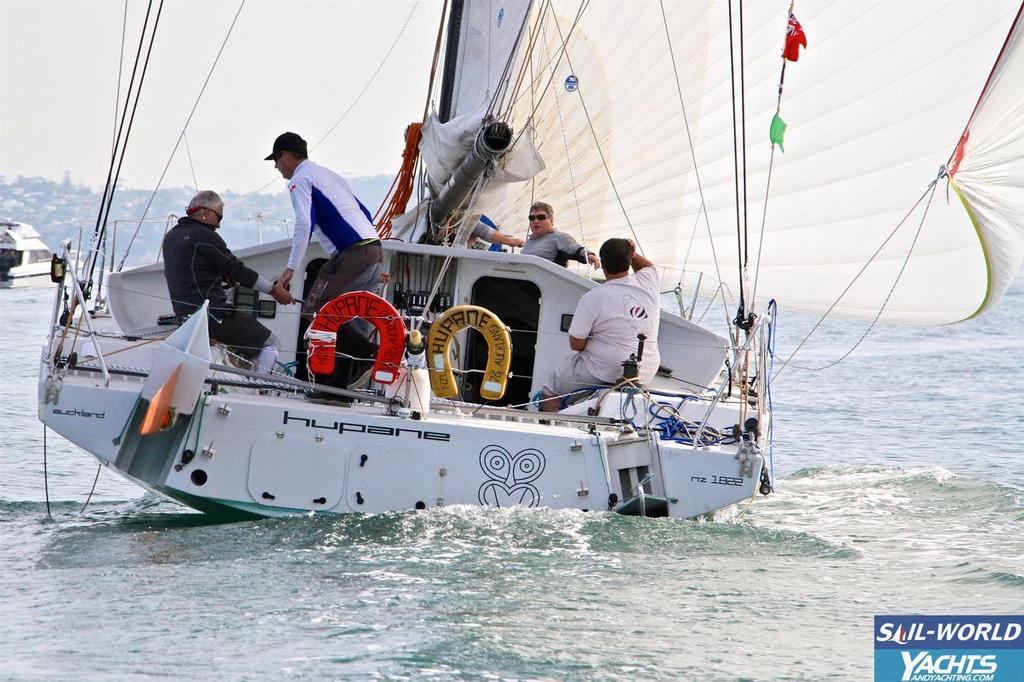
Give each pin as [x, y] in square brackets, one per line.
[570, 375]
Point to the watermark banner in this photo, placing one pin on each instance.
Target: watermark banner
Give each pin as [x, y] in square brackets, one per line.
[949, 648]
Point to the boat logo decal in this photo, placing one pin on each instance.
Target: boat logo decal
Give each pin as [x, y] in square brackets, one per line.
[510, 477]
[501, 16]
[75, 412]
[343, 427]
[572, 82]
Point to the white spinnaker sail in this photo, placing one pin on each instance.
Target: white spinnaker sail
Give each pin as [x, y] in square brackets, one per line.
[989, 170]
[875, 106]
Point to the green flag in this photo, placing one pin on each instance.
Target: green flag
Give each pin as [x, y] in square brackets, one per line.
[776, 132]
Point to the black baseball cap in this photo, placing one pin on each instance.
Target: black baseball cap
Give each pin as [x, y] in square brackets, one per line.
[288, 142]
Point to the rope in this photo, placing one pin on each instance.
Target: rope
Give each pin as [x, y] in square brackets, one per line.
[459, 239]
[600, 151]
[195, 105]
[401, 189]
[92, 489]
[930, 193]
[46, 478]
[693, 156]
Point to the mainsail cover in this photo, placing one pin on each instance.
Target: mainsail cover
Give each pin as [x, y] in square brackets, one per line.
[874, 107]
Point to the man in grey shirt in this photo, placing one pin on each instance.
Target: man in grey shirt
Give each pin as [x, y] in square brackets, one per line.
[548, 243]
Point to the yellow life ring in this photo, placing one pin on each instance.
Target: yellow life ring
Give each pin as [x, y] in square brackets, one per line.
[499, 350]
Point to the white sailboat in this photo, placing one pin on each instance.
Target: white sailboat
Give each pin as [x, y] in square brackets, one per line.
[634, 119]
[24, 258]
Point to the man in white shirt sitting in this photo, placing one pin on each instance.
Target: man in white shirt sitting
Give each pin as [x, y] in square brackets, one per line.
[606, 325]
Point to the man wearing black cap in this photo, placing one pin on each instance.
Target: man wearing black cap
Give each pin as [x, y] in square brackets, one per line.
[326, 207]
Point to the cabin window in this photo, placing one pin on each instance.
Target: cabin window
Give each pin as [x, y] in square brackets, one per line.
[37, 256]
[517, 303]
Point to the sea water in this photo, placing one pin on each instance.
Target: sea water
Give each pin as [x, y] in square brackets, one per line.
[899, 490]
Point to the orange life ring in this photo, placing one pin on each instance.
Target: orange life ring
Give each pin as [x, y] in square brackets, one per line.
[322, 333]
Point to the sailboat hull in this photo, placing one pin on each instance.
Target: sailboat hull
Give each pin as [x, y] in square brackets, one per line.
[247, 454]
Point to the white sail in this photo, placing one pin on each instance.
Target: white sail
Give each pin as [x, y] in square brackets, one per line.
[988, 167]
[875, 106]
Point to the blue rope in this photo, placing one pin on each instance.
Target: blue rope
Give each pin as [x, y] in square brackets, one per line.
[678, 430]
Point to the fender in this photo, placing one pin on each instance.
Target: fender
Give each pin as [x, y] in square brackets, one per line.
[322, 333]
[499, 350]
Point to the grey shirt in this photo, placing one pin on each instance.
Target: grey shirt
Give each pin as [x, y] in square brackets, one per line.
[557, 247]
[482, 231]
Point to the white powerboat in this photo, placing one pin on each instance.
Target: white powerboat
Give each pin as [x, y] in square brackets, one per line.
[24, 258]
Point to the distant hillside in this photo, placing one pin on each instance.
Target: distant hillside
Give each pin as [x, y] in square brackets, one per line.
[59, 209]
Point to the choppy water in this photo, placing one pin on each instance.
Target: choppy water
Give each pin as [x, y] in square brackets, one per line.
[901, 489]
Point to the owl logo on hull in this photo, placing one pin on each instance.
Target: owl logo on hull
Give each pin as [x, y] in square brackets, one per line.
[510, 477]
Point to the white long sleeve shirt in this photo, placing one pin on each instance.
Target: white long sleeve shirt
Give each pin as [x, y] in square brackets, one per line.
[325, 205]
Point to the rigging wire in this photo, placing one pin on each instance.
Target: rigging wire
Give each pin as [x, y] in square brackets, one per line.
[764, 218]
[537, 99]
[930, 193]
[771, 166]
[743, 146]
[188, 153]
[693, 156]
[371, 79]
[527, 63]
[597, 145]
[396, 199]
[107, 191]
[502, 90]
[195, 105]
[120, 69]
[131, 121]
[735, 160]
[347, 111]
[568, 161]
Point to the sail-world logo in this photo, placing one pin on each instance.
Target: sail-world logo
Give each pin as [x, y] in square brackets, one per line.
[501, 16]
[956, 648]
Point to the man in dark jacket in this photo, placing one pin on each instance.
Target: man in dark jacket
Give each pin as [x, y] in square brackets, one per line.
[197, 262]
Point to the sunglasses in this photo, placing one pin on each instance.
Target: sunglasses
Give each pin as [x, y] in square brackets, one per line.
[534, 218]
[219, 216]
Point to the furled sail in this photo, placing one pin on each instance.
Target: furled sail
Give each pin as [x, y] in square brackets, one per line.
[875, 105]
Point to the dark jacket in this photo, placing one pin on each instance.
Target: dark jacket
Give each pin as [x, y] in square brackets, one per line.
[196, 261]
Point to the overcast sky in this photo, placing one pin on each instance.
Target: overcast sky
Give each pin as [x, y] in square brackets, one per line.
[294, 65]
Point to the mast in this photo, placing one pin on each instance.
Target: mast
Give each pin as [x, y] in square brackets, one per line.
[451, 61]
